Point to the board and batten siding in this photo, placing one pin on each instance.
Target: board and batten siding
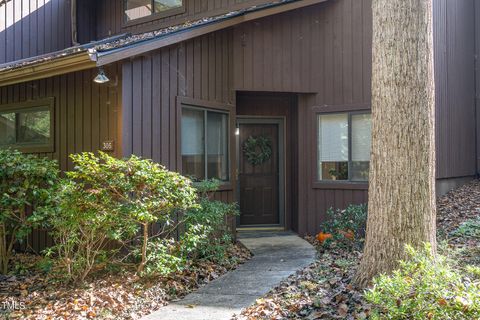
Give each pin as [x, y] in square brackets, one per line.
[110, 15]
[85, 115]
[198, 69]
[322, 53]
[33, 27]
[454, 56]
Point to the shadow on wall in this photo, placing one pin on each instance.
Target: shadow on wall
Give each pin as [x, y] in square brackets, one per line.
[33, 27]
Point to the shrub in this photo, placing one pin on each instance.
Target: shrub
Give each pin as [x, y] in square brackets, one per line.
[82, 228]
[345, 226]
[163, 257]
[108, 198]
[205, 237]
[426, 287]
[25, 182]
[206, 227]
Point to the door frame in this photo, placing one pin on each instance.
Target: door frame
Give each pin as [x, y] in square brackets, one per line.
[280, 121]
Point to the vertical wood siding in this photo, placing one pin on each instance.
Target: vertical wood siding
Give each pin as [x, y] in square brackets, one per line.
[86, 114]
[454, 40]
[199, 69]
[110, 14]
[322, 52]
[33, 27]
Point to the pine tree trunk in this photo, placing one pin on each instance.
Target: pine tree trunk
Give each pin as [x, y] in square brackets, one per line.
[401, 203]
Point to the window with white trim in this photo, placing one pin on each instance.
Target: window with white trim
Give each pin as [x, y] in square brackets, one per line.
[136, 9]
[204, 144]
[344, 142]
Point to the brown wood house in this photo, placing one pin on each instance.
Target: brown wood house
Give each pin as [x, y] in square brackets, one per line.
[192, 82]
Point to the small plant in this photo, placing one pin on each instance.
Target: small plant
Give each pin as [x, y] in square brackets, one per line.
[26, 182]
[469, 229]
[206, 227]
[205, 237]
[426, 287]
[163, 257]
[345, 226]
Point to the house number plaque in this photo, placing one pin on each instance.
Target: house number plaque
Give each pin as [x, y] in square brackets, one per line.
[108, 145]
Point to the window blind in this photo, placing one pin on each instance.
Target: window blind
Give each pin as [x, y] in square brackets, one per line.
[361, 137]
[333, 137]
[216, 133]
[192, 132]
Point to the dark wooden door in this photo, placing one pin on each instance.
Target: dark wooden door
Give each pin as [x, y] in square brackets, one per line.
[259, 184]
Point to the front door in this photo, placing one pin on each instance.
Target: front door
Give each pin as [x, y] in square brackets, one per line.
[259, 166]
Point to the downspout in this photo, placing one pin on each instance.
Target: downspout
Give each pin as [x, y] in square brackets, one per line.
[73, 19]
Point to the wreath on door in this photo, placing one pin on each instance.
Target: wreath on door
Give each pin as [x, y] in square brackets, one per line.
[257, 150]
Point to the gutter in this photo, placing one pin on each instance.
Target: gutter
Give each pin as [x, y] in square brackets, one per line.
[52, 64]
[103, 52]
[67, 64]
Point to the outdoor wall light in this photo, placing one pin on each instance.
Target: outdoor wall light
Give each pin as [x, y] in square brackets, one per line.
[101, 76]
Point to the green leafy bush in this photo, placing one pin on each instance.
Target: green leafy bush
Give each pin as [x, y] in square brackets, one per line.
[346, 226]
[426, 287]
[206, 233]
[469, 229]
[82, 229]
[25, 182]
[205, 236]
[105, 199]
[163, 257]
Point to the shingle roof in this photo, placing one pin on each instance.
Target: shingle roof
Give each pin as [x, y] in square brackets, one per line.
[106, 51]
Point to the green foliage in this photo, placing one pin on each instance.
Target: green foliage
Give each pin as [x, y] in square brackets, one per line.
[25, 182]
[163, 257]
[257, 150]
[426, 287]
[206, 235]
[140, 189]
[469, 229]
[206, 232]
[105, 199]
[347, 226]
[82, 229]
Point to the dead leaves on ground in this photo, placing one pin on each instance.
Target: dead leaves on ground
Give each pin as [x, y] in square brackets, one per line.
[106, 296]
[323, 290]
[320, 291]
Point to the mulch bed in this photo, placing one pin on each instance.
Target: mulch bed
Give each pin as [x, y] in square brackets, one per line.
[123, 295]
[323, 290]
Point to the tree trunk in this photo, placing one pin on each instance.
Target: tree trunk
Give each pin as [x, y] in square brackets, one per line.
[401, 203]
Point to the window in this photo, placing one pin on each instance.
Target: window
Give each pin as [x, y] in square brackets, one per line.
[344, 146]
[204, 144]
[136, 9]
[27, 128]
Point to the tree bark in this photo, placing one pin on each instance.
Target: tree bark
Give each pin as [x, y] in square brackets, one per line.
[401, 203]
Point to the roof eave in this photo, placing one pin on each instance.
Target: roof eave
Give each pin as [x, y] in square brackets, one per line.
[71, 63]
[110, 56]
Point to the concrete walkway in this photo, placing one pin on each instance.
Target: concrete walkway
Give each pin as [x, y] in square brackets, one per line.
[276, 256]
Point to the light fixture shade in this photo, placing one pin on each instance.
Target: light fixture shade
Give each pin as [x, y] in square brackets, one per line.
[101, 77]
